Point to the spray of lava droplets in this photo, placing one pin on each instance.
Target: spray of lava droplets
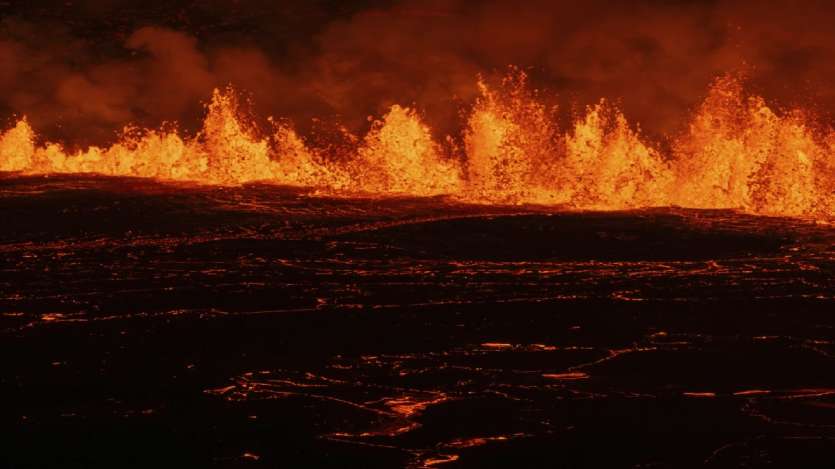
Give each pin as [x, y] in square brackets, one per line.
[736, 153]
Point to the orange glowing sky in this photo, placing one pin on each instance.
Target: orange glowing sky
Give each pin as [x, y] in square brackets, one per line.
[602, 106]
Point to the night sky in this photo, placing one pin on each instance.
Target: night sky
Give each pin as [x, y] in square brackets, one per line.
[81, 70]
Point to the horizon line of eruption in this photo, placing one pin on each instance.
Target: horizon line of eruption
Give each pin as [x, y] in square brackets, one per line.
[736, 153]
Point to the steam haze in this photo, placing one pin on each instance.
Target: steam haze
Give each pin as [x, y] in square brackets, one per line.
[82, 71]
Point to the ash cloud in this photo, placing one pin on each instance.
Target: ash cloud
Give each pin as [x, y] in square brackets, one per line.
[79, 77]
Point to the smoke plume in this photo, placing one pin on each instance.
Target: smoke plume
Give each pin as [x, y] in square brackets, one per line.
[80, 72]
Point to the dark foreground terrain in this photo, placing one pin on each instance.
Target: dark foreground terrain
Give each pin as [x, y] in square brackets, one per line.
[148, 325]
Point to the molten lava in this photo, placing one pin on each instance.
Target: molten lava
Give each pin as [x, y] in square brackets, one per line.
[736, 153]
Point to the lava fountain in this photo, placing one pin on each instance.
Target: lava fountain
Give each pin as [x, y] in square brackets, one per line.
[737, 153]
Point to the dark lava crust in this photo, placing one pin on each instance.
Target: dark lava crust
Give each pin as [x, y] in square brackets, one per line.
[148, 325]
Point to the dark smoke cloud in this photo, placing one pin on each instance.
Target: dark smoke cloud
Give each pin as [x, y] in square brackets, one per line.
[80, 75]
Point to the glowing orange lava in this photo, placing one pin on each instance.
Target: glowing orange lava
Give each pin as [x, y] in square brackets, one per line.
[736, 153]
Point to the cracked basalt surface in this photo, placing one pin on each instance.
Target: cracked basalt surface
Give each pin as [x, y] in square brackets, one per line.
[148, 324]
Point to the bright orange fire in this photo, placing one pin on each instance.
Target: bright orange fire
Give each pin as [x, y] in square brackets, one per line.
[737, 153]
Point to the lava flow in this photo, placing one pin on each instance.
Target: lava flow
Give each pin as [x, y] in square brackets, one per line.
[737, 152]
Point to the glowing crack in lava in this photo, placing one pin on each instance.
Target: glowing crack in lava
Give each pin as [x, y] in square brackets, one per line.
[736, 153]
